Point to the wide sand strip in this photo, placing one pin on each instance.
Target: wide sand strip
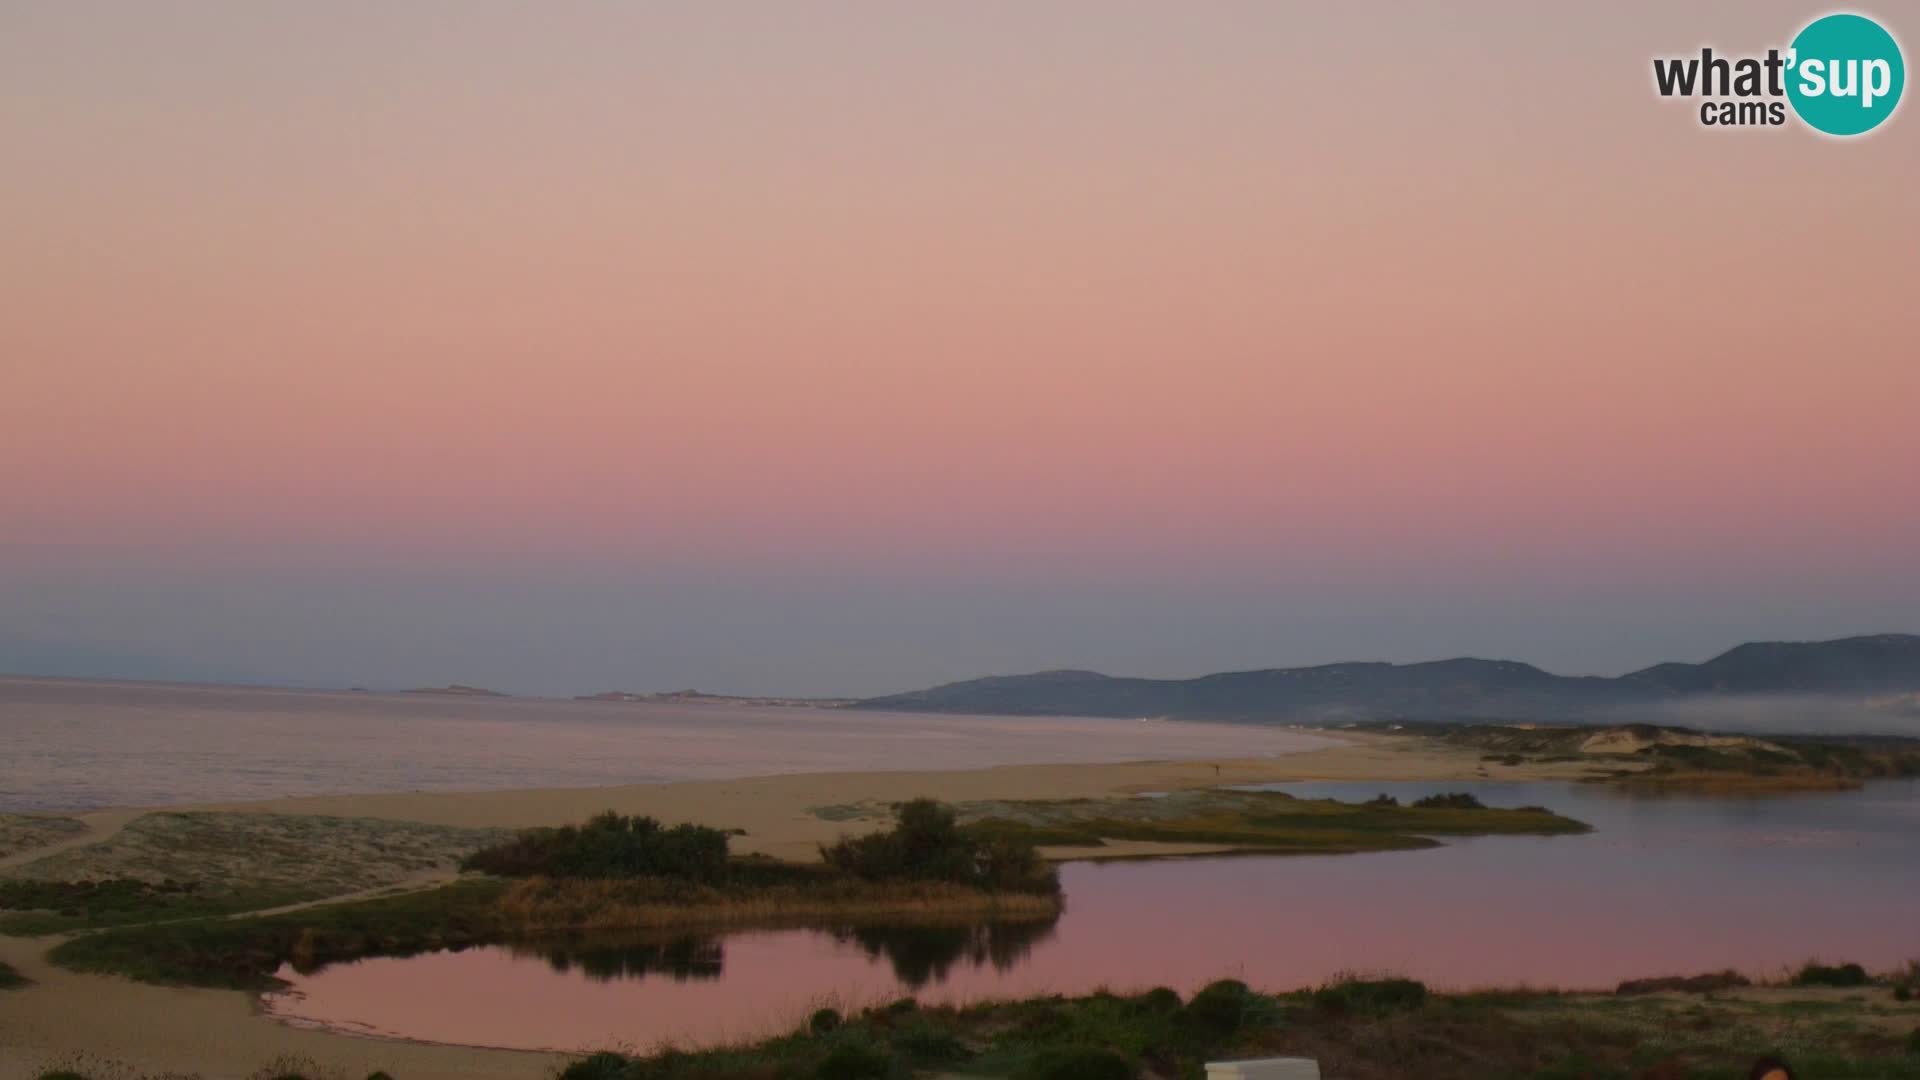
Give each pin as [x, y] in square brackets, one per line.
[220, 1034]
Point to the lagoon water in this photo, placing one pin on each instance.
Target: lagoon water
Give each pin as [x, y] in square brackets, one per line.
[77, 745]
[1664, 885]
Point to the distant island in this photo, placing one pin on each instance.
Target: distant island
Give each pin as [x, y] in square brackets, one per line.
[1877, 675]
[457, 690]
[696, 697]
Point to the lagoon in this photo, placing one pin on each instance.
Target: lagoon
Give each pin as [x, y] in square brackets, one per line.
[1664, 885]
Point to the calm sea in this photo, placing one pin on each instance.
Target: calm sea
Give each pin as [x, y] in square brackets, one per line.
[78, 745]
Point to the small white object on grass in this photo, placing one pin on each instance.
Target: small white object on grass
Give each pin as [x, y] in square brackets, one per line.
[1265, 1069]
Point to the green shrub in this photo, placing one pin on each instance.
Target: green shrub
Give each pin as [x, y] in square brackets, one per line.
[1076, 1063]
[854, 1061]
[927, 843]
[609, 846]
[1831, 975]
[381, 1075]
[1220, 1007]
[1685, 984]
[605, 1065]
[823, 1021]
[1159, 1001]
[1371, 997]
[1457, 800]
[1382, 799]
[926, 1043]
[1913, 1042]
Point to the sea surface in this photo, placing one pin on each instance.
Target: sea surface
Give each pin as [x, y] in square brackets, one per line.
[1663, 885]
[77, 745]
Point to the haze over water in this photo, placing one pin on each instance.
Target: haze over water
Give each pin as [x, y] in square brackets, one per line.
[80, 745]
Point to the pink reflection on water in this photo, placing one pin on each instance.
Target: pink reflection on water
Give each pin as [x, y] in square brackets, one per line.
[1662, 888]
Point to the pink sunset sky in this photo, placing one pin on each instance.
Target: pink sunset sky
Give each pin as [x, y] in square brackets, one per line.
[844, 348]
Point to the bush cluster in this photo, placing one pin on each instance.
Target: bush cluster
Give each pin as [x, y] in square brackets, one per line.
[1370, 997]
[609, 846]
[927, 843]
[1456, 800]
[1831, 975]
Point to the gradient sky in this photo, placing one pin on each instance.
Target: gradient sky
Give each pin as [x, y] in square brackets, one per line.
[846, 348]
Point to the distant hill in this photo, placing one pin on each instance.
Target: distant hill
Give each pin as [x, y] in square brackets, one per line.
[456, 690]
[1862, 669]
[698, 697]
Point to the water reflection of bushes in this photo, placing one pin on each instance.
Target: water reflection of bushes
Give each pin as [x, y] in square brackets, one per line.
[918, 954]
[928, 953]
[682, 959]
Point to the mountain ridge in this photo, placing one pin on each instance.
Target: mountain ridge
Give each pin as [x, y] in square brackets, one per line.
[1864, 667]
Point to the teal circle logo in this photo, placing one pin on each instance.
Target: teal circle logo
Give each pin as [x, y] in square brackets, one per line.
[1845, 74]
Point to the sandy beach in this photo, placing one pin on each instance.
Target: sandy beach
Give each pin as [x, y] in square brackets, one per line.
[219, 1034]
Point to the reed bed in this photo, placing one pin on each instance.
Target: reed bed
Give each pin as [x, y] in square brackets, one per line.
[542, 905]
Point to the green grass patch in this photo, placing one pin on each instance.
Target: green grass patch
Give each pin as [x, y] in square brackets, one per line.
[244, 953]
[1265, 821]
[35, 908]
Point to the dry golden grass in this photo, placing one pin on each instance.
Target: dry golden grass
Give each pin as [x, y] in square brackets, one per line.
[539, 905]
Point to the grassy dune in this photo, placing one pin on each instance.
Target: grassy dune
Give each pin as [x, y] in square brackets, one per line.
[24, 832]
[182, 865]
[1656, 758]
[1258, 821]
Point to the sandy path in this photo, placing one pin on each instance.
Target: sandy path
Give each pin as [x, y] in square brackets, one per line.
[220, 1035]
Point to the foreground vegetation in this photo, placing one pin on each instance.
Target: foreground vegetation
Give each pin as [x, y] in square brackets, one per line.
[1356, 1028]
